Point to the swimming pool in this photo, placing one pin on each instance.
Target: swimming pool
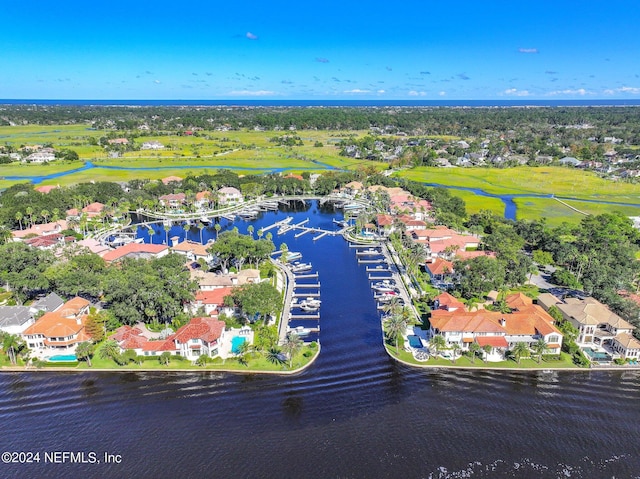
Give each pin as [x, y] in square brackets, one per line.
[596, 355]
[63, 357]
[414, 341]
[236, 342]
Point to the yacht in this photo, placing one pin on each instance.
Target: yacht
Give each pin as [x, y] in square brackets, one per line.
[300, 331]
[300, 267]
[385, 286]
[204, 220]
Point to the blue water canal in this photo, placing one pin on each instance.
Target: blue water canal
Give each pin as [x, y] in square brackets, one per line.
[355, 413]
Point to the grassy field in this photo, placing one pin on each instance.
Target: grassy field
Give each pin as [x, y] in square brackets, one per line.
[244, 151]
[558, 181]
[476, 203]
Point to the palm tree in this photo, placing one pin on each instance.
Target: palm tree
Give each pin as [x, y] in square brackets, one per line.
[165, 358]
[474, 349]
[455, 348]
[539, 347]
[217, 227]
[285, 249]
[394, 327]
[519, 350]
[438, 343]
[45, 215]
[243, 352]
[55, 215]
[274, 356]
[12, 345]
[109, 350]
[186, 227]
[29, 212]
[84, 351]
[19, 217]
[486, 349]
[250, 230]
[292, 344]
[167, 228]
[5, 234]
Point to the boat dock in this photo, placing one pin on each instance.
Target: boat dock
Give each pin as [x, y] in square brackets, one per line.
[305, 276]
[293, 317]
[375, 278]
[377, 269]
[283, 222]
[306, 295]
[370, 261]
[305, 285]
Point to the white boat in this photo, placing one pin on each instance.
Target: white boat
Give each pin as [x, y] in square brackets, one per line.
[293, 255]
[301, 267]
[386, 297]
[370, 251]
[300, 331]
[307, 308]
[384, 287]
[204, 220]
[313, 302]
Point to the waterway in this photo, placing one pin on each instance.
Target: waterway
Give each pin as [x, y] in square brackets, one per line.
[355, 413]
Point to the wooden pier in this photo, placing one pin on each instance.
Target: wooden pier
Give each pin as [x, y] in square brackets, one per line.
[372, 245]
[374, 278]
[369, 253]
[306, 295]
[370, 269]
[293, 317]
[371, 261]
[306, 285]
[277, 224]
[304, 276]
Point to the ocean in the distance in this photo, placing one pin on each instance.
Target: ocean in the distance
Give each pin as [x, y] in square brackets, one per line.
[331, 103]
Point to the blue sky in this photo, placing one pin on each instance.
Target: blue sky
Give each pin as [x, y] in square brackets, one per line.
[458, 50]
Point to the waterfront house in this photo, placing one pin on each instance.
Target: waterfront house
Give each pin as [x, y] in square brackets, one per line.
[447, 302]
[59, 331]
[199, 337]
[136, 250]
[526, 323]
[172, 200]
[597, 325]
[440, 271]
[229, 196]
[203, 200]
[15, 319]
[41, 156]
[385, 225]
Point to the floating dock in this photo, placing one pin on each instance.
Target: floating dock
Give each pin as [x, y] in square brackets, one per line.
[293, 317]
[305, 285]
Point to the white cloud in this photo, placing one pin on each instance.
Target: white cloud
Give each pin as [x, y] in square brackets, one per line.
[380, 92]
[528, 50]
[442, 93]
[417, 93]
[357, 90]
[579, 91]
[251, 36]
[624, 89]
[253, 92]
[515, 92]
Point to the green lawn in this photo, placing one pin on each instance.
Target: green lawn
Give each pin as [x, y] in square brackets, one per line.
[463, 361]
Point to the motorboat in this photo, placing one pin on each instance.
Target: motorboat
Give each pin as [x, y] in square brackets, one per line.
[300, 267]
[386, 297]
[313, 302]
[300, 331]
[204, 220]
[384, 287]
[307, 308]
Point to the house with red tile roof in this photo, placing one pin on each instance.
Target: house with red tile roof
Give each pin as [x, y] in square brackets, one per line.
[46, 188]
[59, 331]
[192, 250]
[440, 271]
[173, 200]
[203, 200]
[136, 250]
[447, 302]
[526, 323]
[40, 230]
[169, 179]
[199, 337]
[212, 301]
[94, 209]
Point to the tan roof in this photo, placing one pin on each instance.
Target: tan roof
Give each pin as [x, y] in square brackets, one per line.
[627, 341]
[134, 249]
[590, 311]
[197, 249]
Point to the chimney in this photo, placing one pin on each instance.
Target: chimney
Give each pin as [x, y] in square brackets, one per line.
[503, 322]
[175, 240]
